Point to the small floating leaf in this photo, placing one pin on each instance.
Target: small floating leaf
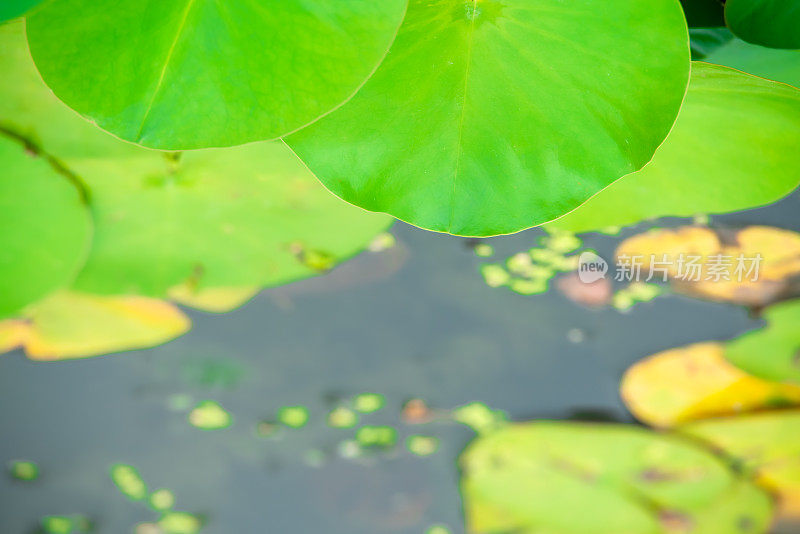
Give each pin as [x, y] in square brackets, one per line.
[161, 500]
[180, 523]
[209, 415]
[23, 470]
[369, 402]
[128, 481]
[342, 417]
[379, 437]
[293, 416]
[422, 445]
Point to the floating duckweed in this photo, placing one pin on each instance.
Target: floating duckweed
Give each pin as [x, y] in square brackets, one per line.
[128, 481]
[545, 256]
[438, 529]
[161, 500]
[528, 287]
[483, 250]
[422, 445]
[57, 524]
[495, 275]
[209, 415]
[293, 416]
[644, 292]
[563, 242]
[636, 292]
[383, 241]
[519, 263]
[376, 436]
[266, 429]
[180, 523]
[23, 470]
[479, 417]
[369, 402]
[62, 524]
[342, 417]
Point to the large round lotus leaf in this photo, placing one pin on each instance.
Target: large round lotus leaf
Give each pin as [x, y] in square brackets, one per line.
[492, 116]
[767, 445]
[45, 225]
[11, 9]
[775, 64]
[220, 218]
[773, 23]
[569, 478]
[772, 352]
[180, 74]
[735, 145]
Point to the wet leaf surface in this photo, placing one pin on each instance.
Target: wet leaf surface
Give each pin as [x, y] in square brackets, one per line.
[697, 382]
[187, 74]
[533, 477]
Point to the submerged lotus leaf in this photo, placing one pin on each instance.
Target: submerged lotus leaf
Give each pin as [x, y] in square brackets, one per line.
[490, 116]
[772, 352]
[248, 216]
[69, 325]
[181, 74]
[735, 145]
[775, 64]
[767, 445]
[559, 477]
[773, 23]
[696, 382]
[45, 225]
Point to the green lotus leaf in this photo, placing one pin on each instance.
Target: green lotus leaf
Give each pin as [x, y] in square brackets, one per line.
[41, 250]
[571, 478]
[772, 352]
[181, 74]
[219, 218]
[773, 63]
[11, 9]
[492, 116]
[773, 23]
[767, 445]
[734, 146]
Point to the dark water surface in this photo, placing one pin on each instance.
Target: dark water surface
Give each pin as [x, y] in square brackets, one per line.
[416, 321]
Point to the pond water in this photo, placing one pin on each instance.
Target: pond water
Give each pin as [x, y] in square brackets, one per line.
[416, 321]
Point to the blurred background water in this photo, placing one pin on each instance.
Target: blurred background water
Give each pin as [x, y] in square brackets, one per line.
[416, 321]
